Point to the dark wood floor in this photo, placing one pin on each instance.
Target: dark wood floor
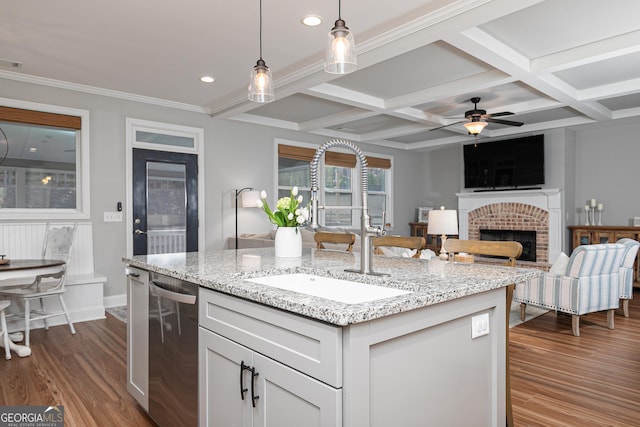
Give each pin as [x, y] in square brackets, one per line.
[557, 379]
[591, 380]
[86, 373]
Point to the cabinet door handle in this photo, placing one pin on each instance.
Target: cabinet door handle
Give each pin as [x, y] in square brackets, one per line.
[254, 374]
[243, 367]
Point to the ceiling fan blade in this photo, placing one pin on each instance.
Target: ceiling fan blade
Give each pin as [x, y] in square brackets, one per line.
[504, 122]
[444, 126]
[504, 113]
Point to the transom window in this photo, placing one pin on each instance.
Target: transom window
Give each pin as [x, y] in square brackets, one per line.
[339, 184]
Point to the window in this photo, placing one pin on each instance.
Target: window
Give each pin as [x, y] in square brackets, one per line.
[46, 172]
[339, 184]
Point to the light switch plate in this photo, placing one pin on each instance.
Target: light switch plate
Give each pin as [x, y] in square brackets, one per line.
[480, 325]
[113, 217]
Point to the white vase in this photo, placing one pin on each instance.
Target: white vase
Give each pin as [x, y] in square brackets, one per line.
[288, 242]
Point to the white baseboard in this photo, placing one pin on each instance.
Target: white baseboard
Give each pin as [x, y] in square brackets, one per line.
[115, 300]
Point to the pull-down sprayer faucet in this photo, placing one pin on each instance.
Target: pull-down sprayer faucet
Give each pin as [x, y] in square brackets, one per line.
[366, 230]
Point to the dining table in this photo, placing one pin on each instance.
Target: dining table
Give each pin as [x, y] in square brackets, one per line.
[11, 273]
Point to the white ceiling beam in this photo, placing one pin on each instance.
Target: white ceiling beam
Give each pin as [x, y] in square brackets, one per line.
[610, 90]
[601, 50]
[492, 51]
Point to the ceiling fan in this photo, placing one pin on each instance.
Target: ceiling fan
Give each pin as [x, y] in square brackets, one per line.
[478, 119]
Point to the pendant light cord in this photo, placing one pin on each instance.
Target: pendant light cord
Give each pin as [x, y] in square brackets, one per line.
[260, 37]
[339, 7]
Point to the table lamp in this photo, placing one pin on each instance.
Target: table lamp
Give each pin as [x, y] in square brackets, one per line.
[443, 222]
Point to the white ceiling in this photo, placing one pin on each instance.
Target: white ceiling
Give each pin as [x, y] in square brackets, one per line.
[554, 63]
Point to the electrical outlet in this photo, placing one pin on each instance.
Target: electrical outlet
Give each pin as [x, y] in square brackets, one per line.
[480, 325]
[113, 217]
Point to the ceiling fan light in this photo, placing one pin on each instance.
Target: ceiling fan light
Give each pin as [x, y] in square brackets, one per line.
[340, 53]
[474, 128]
[261, 83]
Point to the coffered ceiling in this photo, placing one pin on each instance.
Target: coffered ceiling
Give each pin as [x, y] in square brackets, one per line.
[553, 63]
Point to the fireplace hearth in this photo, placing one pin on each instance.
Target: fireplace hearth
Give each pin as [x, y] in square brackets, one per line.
[526, 238]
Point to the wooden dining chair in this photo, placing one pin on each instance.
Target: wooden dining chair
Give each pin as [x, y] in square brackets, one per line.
[507, 253]
[322, 237]
[57, 245]
[408, 242]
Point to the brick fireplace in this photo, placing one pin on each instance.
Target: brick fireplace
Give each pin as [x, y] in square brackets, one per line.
[518, 211]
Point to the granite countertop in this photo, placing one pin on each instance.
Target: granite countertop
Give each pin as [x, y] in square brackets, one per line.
[429, 281]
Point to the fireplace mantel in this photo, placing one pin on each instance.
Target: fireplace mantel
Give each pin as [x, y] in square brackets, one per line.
[547, 199]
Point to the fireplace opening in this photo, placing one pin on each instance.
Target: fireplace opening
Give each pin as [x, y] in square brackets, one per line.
[526, 238]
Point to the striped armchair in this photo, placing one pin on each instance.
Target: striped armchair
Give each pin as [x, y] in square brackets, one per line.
[626, 272]
[589, 284]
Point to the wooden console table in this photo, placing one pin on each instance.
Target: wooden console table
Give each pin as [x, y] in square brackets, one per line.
[593, 234]
[419, 229]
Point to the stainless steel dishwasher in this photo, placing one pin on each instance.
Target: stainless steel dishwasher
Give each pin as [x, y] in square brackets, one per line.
[173, 351]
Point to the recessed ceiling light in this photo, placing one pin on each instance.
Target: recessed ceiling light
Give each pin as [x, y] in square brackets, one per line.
[311, 20]
[207, 79]
[33, 149]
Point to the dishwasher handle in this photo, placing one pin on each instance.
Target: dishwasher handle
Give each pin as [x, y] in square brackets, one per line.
[173, 296]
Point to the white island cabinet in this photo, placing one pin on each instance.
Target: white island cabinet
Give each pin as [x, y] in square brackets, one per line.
[432, 355]
[412, 369]
[242, 381]
[138, 335]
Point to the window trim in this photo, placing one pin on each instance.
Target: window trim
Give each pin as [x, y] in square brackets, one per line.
[83, 184]
[380, 161]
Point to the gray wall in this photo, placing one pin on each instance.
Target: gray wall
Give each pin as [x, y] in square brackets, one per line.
[595, 161]
[606, 164]
[236, 155]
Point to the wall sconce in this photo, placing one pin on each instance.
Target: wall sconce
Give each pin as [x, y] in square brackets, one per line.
[249, 200]
[443, 222]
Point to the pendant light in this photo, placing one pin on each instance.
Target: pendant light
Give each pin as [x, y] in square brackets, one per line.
[340, 54]
[261, 84]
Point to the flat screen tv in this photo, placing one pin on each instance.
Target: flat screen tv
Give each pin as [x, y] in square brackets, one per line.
[511, 163]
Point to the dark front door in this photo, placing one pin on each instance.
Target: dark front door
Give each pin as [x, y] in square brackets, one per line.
[165, 202]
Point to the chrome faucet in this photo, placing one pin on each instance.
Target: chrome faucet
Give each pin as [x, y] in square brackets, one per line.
[366, 230]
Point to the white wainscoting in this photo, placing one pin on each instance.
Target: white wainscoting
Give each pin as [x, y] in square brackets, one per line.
[84, 291]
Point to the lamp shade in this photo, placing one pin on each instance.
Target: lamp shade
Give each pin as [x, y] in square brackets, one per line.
[443, 221]
[340, 53]
[250, 199]
[261, 83]
[474, 128]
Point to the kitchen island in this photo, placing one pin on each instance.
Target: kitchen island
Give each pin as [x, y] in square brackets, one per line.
[434, 354]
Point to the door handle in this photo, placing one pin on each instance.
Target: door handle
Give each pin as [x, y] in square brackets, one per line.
[138, 231]
[243, 367]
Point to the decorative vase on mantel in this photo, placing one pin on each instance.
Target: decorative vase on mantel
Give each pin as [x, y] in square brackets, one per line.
[288, 242]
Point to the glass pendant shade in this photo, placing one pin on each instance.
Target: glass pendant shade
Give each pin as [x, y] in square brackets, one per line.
[261, 84]
[340, 54]
[474, 128]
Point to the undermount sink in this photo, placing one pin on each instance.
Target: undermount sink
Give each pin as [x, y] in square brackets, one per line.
[329, 288]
